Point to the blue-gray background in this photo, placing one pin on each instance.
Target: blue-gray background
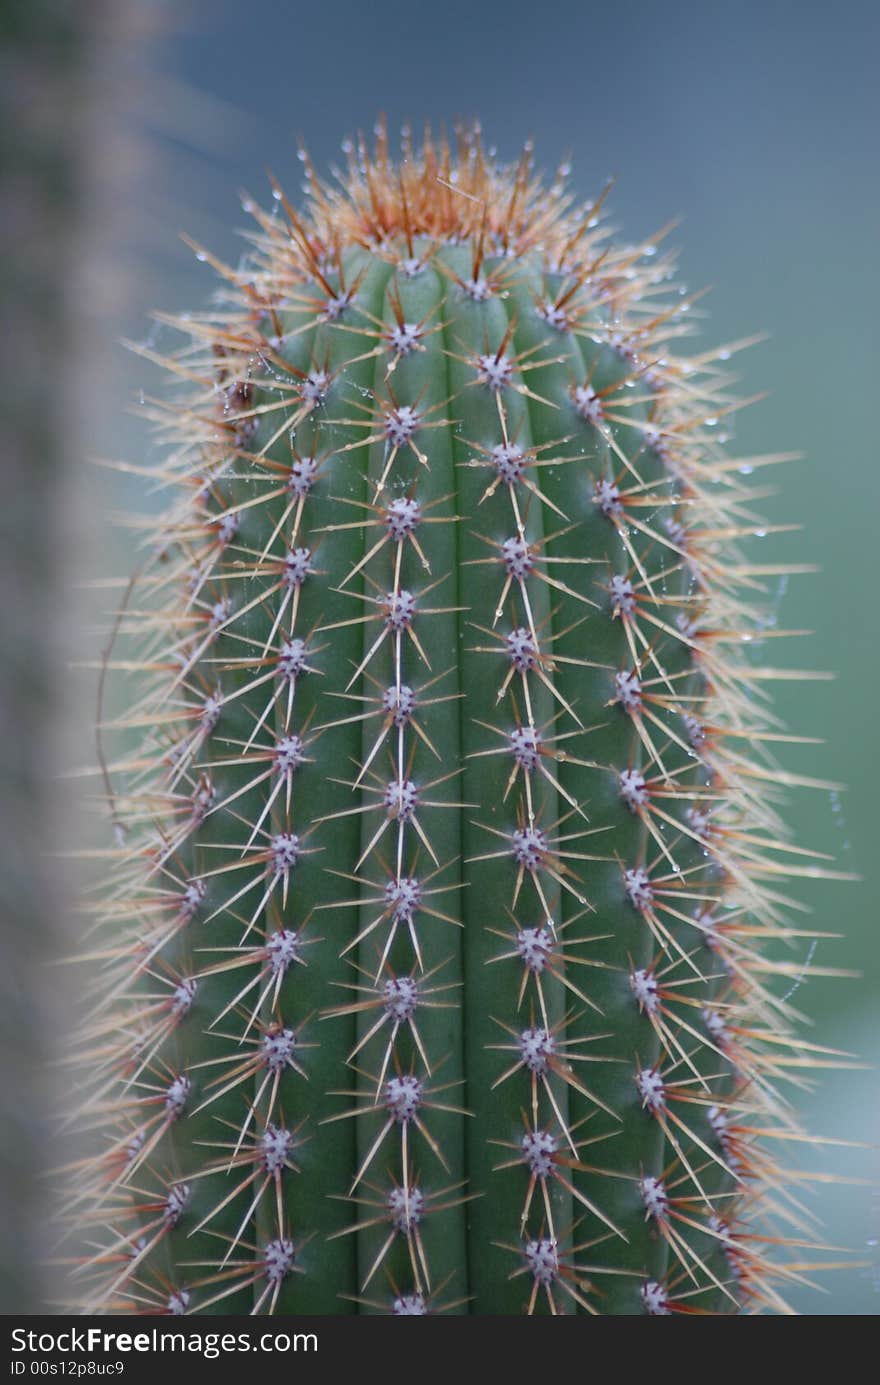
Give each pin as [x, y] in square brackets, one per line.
[756, 124]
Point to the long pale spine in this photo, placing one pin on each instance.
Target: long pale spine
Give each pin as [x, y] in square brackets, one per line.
[441, 849]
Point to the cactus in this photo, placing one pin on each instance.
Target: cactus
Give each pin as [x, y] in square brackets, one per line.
[59, 115]
[443, 965]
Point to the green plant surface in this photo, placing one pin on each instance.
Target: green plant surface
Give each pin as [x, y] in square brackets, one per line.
[447, 940]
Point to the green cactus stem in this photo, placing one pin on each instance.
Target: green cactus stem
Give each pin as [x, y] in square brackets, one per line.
[443, 967]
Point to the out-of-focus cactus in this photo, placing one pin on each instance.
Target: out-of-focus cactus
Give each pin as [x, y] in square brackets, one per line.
[44, 167]
[441, 965]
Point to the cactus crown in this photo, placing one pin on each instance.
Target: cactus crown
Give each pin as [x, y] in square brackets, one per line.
[445, 911]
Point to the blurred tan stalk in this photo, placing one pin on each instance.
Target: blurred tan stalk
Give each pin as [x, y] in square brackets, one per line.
[67, 150]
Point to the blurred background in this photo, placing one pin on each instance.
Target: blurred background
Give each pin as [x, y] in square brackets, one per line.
[125, 122]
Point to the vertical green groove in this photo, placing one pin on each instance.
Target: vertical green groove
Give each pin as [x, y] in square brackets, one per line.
[417, 380]
[491, 987]
[634, 1147]
[326, 1163]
